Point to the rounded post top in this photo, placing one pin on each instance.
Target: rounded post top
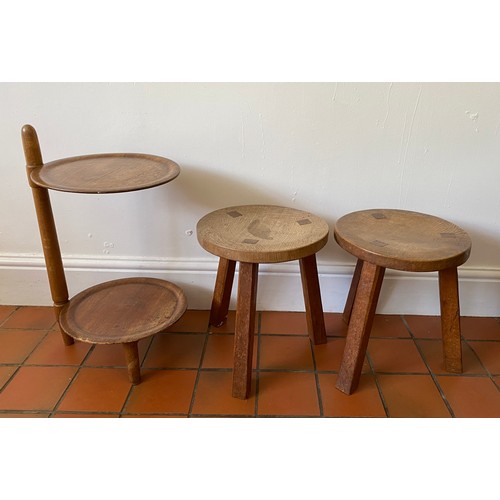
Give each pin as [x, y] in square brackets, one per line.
[31, 146]
[28, 129]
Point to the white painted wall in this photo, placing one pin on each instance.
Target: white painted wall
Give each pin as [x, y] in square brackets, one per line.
[325, 147]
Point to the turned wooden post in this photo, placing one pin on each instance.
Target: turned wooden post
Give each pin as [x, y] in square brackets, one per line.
[132, 358]
[47, 227]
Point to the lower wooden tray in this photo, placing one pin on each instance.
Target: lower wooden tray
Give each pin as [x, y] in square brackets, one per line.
[124, 310]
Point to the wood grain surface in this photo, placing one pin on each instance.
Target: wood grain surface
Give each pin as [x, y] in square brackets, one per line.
[105, 173]
[123, 310]
[262, 233]
[404, 240]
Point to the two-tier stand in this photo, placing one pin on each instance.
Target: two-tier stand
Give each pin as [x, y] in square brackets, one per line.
[121, 311]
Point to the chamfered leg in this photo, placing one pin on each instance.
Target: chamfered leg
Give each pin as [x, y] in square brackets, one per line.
[312, 299]
[450, 320]
[352, 292]
[245, 328]
[360, 325]
[222, 292]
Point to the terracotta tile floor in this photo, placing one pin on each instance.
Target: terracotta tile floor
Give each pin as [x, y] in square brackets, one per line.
[187, 370]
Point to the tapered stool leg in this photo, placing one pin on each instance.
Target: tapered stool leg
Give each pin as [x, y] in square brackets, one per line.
[312, 299]
[132, 359]
[450, 320]
[222, 292]
[245, 328]
[358, 334]
[352, 292]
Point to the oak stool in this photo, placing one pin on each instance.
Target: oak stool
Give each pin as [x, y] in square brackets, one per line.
[405, 241]
[121, 311]
[252, 235]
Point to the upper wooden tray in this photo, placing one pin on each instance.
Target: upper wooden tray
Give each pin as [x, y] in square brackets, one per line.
[105, 173]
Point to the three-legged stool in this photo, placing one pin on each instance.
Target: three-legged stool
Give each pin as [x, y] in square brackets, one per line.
[251, 235]
[406, 241]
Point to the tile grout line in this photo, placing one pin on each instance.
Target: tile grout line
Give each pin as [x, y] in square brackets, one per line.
[316, 378]
[59, 401]
[220, 415]
[70, 384]
[21, 364]
[36, 346]
[481, 341]
[85, 412]
[272, 415]
[16, 308]
[199, 370]
[490, 375]
[25, 412]
[11, 377]
[379, 389]
[431, 373]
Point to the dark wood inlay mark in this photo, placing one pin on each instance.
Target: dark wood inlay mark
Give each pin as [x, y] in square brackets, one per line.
[234, 214]
[378, 215]
[250, 242]
[379, 243]
[303, 222]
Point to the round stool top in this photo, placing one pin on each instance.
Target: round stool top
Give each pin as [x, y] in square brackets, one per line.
[123, 310]
[262, 233]
[403, 240]
[105, 173]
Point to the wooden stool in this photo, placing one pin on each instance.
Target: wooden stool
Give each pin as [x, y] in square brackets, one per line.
[254, 234]
[407, 241]
[121, 311]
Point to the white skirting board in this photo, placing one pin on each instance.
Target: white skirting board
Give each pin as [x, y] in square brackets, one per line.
[23, 281]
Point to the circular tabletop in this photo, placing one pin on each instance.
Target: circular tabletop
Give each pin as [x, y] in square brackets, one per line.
[123, 310]
[262, 233]
[403, 240]
[105, 173]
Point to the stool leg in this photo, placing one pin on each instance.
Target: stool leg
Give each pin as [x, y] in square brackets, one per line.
[132, 359]
[358, 334]
[312, 299]
[245, 328]
[352, 292]
[222, 292]
[450, 320]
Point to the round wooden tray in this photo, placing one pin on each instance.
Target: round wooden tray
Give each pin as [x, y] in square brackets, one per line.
[123, 310]
[105, 173]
